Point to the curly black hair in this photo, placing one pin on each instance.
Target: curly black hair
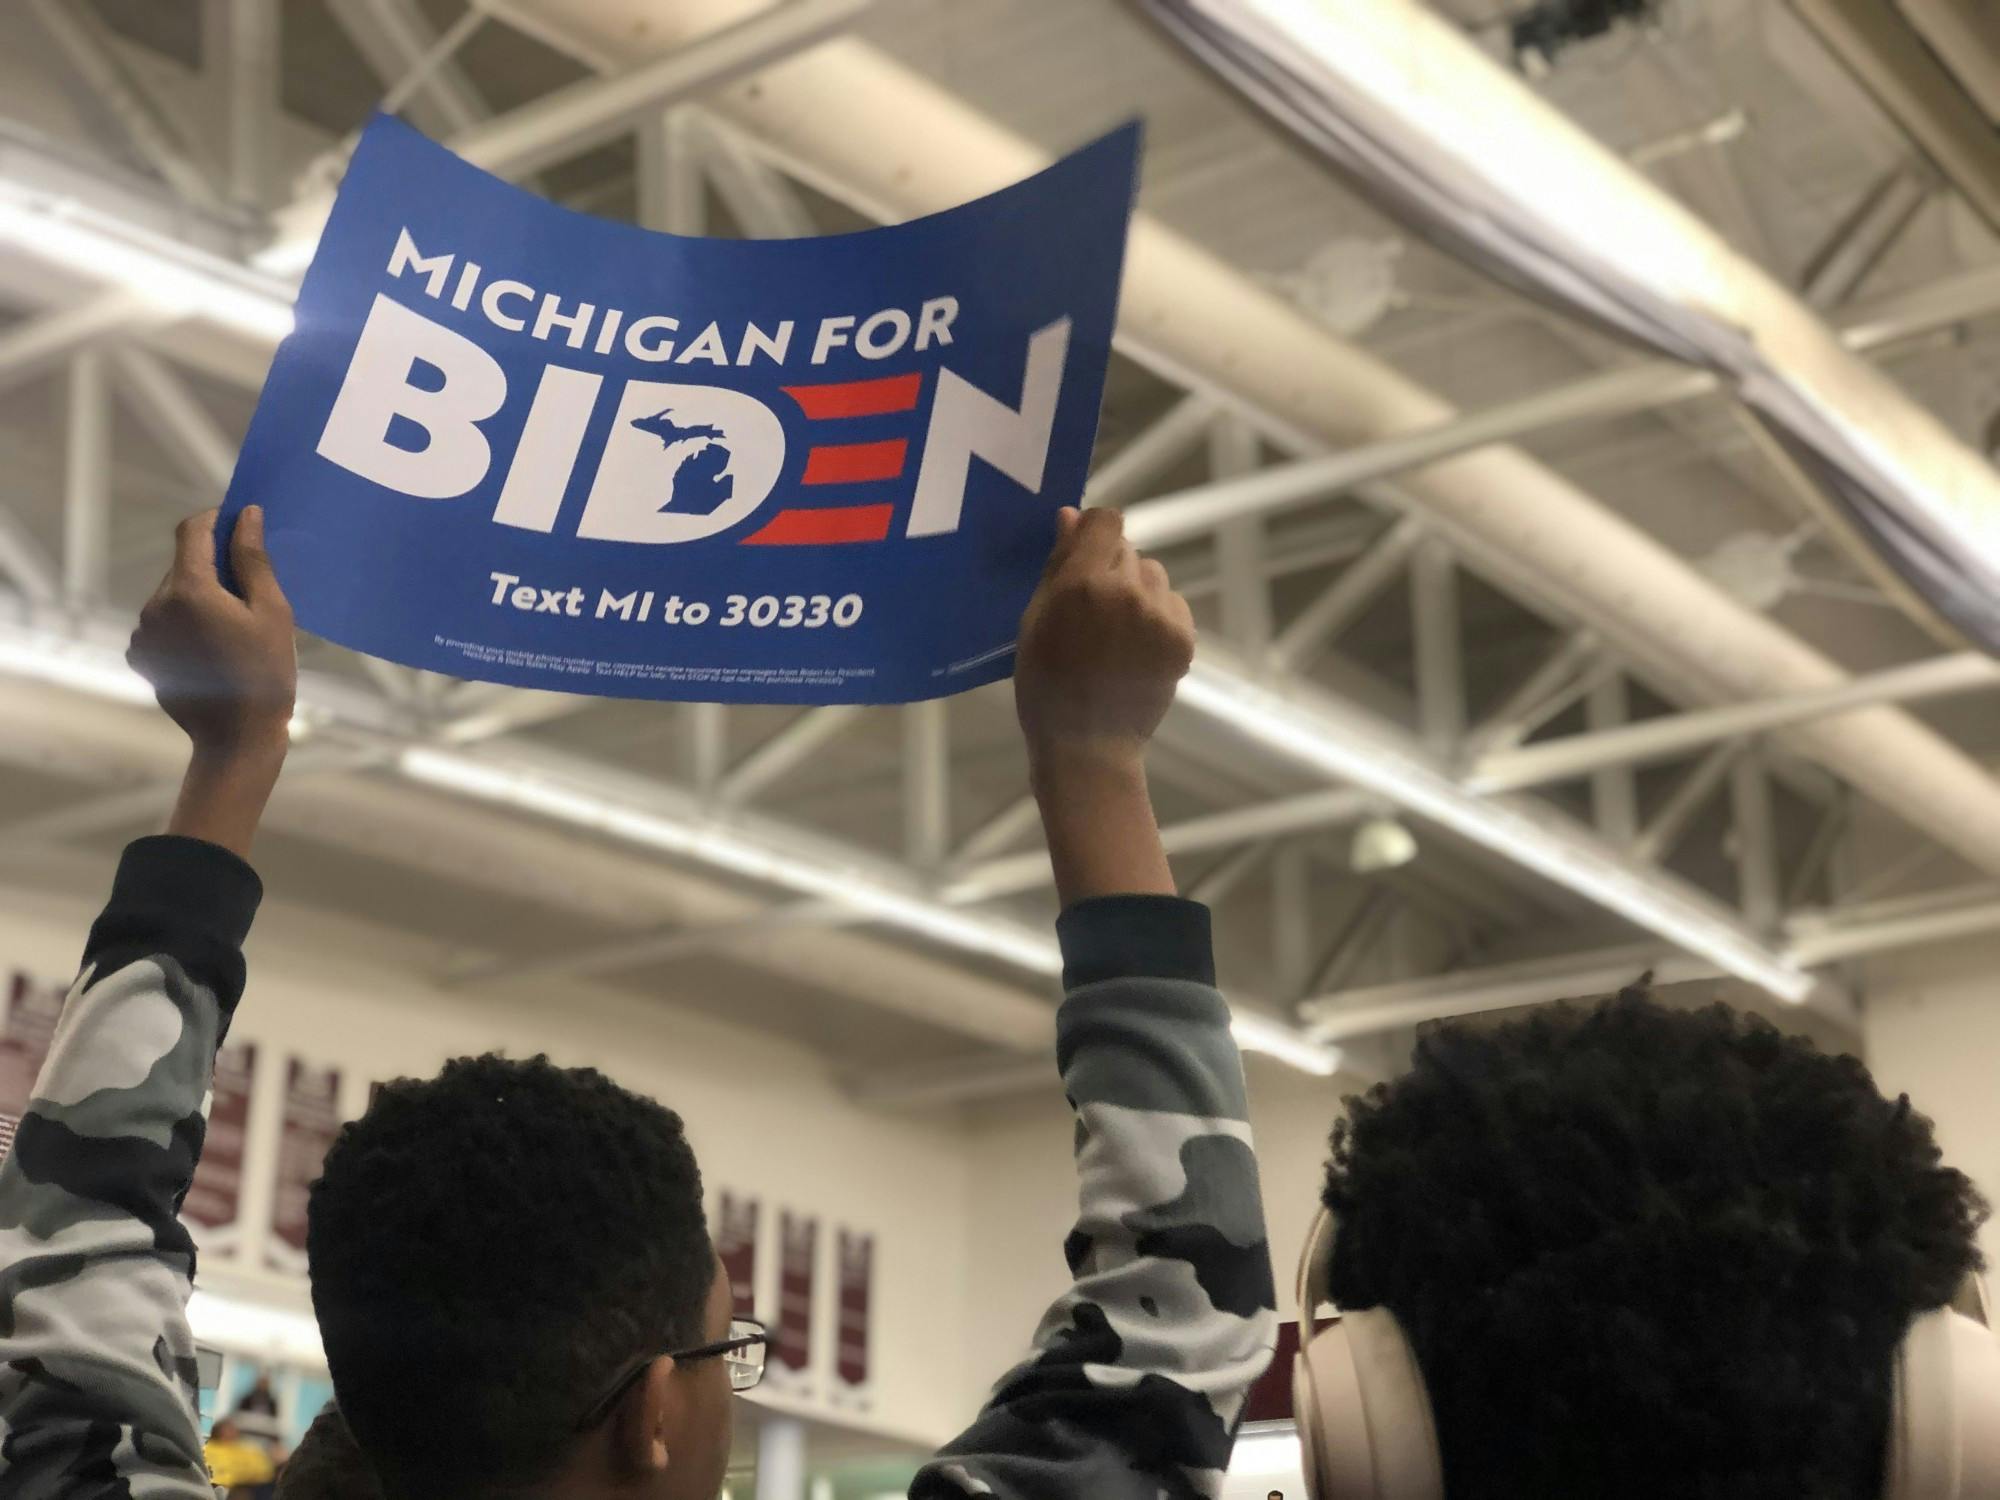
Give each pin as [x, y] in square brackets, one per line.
[489, 1249]
[328, 1464]
[1647, 1253]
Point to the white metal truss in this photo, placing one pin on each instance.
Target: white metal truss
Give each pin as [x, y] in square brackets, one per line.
[145, 264]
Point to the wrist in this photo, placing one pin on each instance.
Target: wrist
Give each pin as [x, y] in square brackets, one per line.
[225, 790]
[251, 748]
[1108, 763]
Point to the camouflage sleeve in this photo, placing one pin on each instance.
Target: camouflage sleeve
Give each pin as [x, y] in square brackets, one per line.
[97, 1367]
[1140, 1371]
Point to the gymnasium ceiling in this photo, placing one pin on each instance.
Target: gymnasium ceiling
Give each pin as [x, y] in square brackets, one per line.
[1733, 106]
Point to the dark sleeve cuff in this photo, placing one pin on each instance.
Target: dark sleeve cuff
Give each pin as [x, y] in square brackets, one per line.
[182, 899]
[1136, 937]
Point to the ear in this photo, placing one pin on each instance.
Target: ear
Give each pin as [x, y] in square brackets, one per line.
[650, 1424]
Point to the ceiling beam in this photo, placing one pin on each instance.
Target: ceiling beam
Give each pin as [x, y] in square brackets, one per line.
[241, 45]
[1620, 392]
[1877, 44]
[44, 340]
[569, 121]
[1168, 439]
[396, 40]
[1670, 735]
[86, 557]
[80, 38]
[1010, 875]
[1816, 938]
[1348, 745]
[1352, 1013]
[1347, 597]
[786, 750]
[176, 418]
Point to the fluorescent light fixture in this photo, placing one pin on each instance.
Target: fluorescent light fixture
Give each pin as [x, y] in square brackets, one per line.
[1382, 843]
[292, 251]
[177, 279]
[739, 851]
[1273, 1452]
[1323, 738]
[744, 852]
[97, 670]
[254, 1328]
[1274, 1039]
[78, 665]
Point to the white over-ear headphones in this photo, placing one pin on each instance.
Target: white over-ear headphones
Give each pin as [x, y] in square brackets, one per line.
[1367, 1432]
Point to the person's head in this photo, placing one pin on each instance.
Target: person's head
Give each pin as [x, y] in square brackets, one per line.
[328, 1465]
[495, 1249]
[1647, 1252]
[225, 1430]
[1275, 1495]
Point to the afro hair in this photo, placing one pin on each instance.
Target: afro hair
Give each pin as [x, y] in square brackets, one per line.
[327, 1464]
[1647, 1253]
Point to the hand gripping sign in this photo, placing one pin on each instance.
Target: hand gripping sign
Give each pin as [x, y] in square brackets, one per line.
[515, 443]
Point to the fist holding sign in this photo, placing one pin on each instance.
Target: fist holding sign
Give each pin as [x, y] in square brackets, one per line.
[516, 443]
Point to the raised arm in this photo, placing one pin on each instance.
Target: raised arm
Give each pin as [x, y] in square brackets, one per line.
[1139, 1372]
[97, 1367]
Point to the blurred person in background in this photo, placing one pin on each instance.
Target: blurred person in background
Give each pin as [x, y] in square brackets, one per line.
[237, 1464]
[259, 1400]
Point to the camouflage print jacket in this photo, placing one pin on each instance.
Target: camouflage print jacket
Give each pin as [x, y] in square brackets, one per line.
[97, 1367]
[1140, 1371]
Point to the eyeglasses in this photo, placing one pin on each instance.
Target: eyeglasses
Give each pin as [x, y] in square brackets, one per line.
[742, 1354]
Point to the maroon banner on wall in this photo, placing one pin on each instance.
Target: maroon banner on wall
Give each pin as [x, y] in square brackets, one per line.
[33, 1009]
[214, 1206]
[311, 1120]
[797, 1262]
[1270, 1398]
[736, 1243]
[857, 1278]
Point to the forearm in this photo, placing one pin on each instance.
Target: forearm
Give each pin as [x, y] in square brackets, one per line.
[224, 793]
[96, 1359]
[1142, 1367]
[1097, 813]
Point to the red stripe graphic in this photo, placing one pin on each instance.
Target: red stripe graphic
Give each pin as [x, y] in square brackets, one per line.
[838, 523]
[856, 463]
[858, 398]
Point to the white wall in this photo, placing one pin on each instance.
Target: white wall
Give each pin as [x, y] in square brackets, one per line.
[1933, 1031]
[763, 1117]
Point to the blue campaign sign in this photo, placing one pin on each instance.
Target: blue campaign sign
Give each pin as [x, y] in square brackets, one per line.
[515, 443]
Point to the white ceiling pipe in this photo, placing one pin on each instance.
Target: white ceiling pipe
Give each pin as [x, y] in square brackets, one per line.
[1649, 386]
[1010, 874]
[1824, 937]
[905, 147]
[1369, 1012]
[1432, 128]
[584, 114]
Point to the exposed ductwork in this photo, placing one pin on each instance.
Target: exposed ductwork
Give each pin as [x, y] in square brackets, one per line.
[1424, 124]
[907, 147]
